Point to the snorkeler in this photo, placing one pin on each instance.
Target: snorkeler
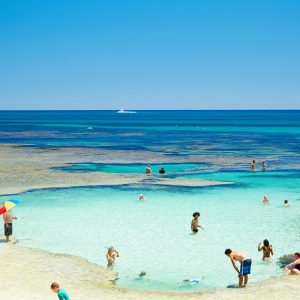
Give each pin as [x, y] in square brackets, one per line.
[111, 256]
[265, 200]
[194, 224]
[267, 250]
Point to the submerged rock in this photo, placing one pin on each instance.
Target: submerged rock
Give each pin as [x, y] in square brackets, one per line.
[285, 260]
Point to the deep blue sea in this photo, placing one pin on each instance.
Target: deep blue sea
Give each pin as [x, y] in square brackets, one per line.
[154, 235]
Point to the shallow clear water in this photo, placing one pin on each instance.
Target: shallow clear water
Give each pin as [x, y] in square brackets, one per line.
[154, 235]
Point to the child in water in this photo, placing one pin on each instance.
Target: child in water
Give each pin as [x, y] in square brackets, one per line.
[111, 256]
[195, 225]
[267, 250]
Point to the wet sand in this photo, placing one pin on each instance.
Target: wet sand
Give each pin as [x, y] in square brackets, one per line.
[26, 274]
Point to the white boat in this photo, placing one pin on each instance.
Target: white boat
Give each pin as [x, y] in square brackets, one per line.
[122, 111]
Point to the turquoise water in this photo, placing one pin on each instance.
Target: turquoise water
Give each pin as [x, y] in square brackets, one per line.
[154, 235]
[132, 168]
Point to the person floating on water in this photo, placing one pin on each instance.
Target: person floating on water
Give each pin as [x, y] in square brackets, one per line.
[111, 256]
[294, 267]
[286, 203]
[263, 166]
[195, 225]
[61, 293]
[141, 197]
[245, 268]
[265, 200]
[8, 218]
[252, 166]
[162, 171]
[193, 281]
[267, 250]
[148, 170]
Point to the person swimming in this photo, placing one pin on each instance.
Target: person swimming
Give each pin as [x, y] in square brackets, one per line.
[195, 225]
[286, 203]
[148, 170]
[141, 197]
[162, 171]
[267, 250]
[265, 200]
[263, 166]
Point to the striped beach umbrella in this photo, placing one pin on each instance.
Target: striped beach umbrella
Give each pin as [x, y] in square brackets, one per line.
[8, 205]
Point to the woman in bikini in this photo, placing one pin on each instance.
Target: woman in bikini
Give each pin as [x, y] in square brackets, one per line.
[267, 250]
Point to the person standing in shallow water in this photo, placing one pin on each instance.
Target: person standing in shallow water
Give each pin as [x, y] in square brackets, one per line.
[263, 166]
[111, 256]
[195, 222]
[245, 268]
[252, 166]
[8, 218]
[267, 250]
[148, 170]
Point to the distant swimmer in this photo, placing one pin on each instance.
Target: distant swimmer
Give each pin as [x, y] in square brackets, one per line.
[263, 166]
[267, 250]
[111, 256]
[252, 166]
[245, 268]
[195, 222]
[193, 280]
[141, 197]
[162, 171]
[294, 267]
[142, 274]
[61, 293]
[286, 203]
[148, 170]
[265, 200]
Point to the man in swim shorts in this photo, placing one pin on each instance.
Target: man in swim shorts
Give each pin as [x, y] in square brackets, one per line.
[245, 268]
[8, 218]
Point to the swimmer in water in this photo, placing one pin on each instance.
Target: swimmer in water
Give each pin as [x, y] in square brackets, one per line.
[195, 225]
[263, 166]
[148, 170]
[286, 203]
[265, 200]
[142, 274]
[111, 256]
[162, 171]
[141, 197]
[267, 250]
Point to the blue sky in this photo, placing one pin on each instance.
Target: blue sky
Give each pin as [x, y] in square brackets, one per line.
[149, 54]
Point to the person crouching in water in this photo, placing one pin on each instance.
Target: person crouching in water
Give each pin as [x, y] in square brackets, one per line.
[267, 250]
[245, 268]
[294, 267]
[195, 222]
[111, 256]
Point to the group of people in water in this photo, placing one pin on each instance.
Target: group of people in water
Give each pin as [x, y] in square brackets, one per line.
[161, 171]
[253, 166]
